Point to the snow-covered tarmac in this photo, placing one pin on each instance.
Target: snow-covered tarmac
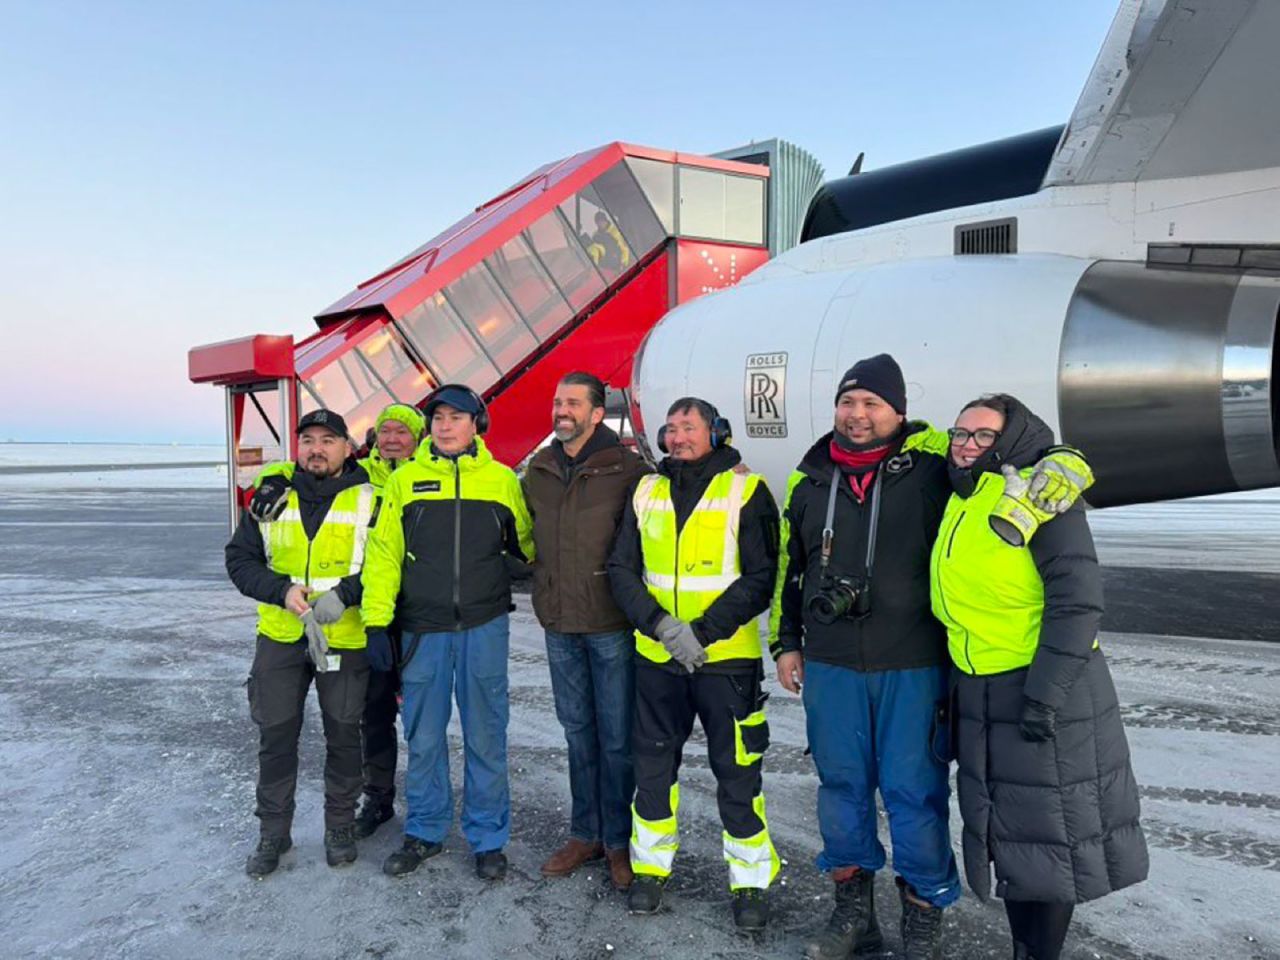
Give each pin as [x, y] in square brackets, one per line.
[127, 760]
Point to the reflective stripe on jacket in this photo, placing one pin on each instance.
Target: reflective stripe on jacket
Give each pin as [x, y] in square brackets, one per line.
[686, 572]
[988, 595]
[319, 564]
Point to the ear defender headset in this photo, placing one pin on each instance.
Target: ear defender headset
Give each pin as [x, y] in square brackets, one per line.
[460, 397]
[721, 431]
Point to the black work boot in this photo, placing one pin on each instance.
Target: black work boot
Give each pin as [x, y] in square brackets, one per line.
[645, 895]
[373, 814]
[491, 865]
[340, 845]
[853, 926]
[751, 909]
[266, 857]
[921, 926]
[410, 856]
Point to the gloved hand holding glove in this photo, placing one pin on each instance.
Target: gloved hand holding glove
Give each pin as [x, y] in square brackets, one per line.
[679, 640]
[377, 650]
[1038, 494]
[270, 498]
[317, 642]
[328, 607]
[1038, 722]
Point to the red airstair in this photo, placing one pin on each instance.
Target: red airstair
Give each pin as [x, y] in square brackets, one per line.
[567, 270]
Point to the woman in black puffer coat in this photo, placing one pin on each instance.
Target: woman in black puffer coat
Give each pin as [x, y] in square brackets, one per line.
[1046, 788]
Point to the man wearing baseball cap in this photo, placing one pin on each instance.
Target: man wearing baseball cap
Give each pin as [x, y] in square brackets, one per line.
[397, 433]
[852, 629]
[307, 558]
[452, 522]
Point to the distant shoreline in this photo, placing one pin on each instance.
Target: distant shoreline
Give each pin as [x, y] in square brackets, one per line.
[102, 467]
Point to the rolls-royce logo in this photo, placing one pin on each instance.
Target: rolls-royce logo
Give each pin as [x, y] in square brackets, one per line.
[765, 392]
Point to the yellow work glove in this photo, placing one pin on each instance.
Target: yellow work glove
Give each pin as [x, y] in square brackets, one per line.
[1038, 494]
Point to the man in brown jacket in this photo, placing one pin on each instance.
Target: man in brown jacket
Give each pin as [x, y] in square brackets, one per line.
[576, 489]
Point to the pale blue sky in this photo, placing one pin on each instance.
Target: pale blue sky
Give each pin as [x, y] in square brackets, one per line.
[179, 173]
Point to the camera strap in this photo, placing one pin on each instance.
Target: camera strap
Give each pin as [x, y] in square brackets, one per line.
[828, 526]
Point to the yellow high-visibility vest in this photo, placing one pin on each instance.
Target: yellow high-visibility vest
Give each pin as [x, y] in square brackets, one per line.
[685, 573]
[336, 552]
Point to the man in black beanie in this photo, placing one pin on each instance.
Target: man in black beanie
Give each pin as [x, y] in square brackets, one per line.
[868, 656]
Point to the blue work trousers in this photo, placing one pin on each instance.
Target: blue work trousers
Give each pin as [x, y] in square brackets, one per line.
[593, 681]
[883, 730]
[471, 665]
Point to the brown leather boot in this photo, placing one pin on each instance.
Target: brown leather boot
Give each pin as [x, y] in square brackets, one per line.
[571, 856]
[620, 867]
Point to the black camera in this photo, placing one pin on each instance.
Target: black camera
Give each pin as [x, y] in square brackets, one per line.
[840, 597]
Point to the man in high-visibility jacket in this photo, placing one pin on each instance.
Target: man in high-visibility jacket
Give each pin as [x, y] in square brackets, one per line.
[693, 568]
[313, 550]
[453, 524]
[397, 433]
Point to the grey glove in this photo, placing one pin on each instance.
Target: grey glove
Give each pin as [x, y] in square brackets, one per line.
[328, 608]
[317, 642]
[679, 640]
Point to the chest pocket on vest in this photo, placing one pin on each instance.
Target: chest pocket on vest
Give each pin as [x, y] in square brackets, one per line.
[340, 542]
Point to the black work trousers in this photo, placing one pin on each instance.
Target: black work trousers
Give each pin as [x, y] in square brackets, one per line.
[378, 731]
[278, 684]
[666, 704]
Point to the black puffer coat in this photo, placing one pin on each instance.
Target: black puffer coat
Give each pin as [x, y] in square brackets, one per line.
[1059, 818]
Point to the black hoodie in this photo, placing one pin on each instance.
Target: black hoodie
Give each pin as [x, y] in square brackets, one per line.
[246, 556]
[746, 598]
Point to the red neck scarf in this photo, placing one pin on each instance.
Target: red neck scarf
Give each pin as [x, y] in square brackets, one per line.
[862, 463]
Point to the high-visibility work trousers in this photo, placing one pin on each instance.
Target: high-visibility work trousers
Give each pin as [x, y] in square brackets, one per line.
[729, 706]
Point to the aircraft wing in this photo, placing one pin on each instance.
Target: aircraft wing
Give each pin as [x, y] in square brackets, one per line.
[1181, 88]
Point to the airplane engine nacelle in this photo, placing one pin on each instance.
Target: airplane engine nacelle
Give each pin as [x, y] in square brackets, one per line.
[1167, 380]
[1163, 377]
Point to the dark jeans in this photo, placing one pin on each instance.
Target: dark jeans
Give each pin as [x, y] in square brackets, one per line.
[277, 687]
[381, 744]
[593, 681]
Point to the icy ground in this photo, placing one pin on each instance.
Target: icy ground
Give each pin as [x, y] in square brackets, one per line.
[127, 763]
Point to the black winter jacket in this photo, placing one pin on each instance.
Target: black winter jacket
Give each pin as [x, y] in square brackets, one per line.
[900, 631]
[1059, 818]
[246, 555]
[746, 598]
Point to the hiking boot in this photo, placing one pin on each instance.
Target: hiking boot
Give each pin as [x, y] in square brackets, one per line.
[372, 815]
[852, 926]
[921, 926]
[410, 856]
[620, 868]
[340, 845]
[491, 865]
[750, 909]
[645, 895]
[571, 856]
[266, 857]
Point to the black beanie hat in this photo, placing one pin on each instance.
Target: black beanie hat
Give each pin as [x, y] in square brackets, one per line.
[879, 374]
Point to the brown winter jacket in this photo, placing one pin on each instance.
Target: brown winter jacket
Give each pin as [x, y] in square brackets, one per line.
[576, 508]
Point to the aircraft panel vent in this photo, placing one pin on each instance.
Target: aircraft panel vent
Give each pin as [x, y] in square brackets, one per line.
[989, 236]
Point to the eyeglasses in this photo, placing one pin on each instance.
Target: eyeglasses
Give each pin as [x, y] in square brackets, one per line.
[981, 438]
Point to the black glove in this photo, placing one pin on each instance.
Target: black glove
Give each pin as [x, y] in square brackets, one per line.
[1038, 722]
[377, 650]
[269, 499]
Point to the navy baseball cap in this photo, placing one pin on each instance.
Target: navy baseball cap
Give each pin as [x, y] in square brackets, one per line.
[458, 397]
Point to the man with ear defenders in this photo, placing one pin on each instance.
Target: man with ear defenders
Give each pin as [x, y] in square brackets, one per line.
[692, 568]
[437, 561]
